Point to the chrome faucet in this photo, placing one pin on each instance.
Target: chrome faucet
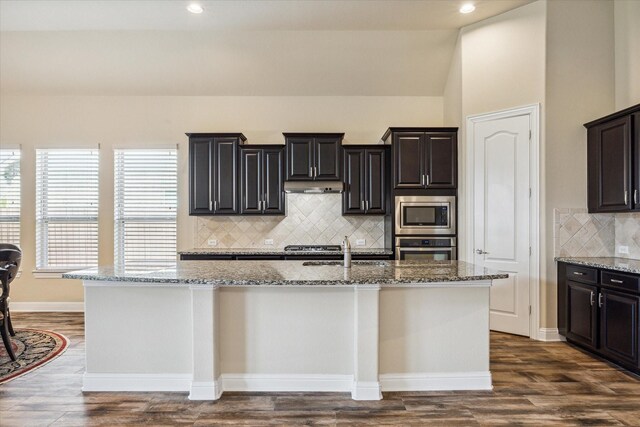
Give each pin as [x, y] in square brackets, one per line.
[346, 248]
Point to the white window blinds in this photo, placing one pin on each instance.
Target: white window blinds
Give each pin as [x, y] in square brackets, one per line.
[145, 207]
[10, 196]
[66, 209]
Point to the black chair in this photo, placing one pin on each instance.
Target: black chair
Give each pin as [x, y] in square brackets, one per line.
[10, 257]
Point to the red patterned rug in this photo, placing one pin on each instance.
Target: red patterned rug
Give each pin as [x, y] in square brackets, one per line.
[33, 349]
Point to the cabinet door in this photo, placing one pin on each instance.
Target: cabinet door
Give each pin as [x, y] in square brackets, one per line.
[441, 160]
[250, 180]
[225, 176]
[636, 150]
[299, 158]
[609, 146]
[354, 181]
[273, 180]
[619, 326]
[375, 189]
[327, 159]
[582, 313]
[408, 149]
[200, 161]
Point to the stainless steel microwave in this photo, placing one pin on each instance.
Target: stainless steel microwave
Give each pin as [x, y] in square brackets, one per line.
[425, 215]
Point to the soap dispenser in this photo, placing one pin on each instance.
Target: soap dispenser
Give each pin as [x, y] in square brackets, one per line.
[346, 248]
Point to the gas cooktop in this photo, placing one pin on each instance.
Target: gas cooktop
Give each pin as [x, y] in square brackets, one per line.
[312, 248]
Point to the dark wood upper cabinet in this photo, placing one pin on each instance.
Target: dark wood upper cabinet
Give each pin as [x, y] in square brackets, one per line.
[365, 179]
[441, 160]
[213, 173]
[408, 151]
[614, 162]
[312, 157]
[582, 313]
[261, 180]
[424, 158]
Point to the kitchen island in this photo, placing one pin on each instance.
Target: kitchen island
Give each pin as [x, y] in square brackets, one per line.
[214, 326]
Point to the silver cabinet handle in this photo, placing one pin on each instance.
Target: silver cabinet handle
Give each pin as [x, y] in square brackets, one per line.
[635, 196]
[616, 281]
[423, 181]
[362, 205]
[366, 205]
[626, 197]
[215, 205]
[591, 299]
[599, 300]
[577, 273]
[428, 180]
[481, 252]
[315, 171]
[210, 205]
[310, 171]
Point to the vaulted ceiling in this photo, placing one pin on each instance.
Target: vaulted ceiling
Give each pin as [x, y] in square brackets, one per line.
[234, 48]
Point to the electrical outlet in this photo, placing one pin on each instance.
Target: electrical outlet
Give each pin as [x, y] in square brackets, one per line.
[623, 249]
[361, 242]
[212, 242]
[268, 241]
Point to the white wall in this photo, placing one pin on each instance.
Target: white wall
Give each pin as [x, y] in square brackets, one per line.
[125, 121]
[627, 52]
[579, 88]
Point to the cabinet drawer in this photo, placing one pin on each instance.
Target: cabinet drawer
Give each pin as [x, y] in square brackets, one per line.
[582, 274]
[621, 281]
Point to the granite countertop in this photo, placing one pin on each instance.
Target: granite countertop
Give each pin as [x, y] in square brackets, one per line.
[294, 273]
[608, 263]
[279, 251]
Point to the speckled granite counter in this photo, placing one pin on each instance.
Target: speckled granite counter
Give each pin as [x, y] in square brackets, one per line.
[296, 273]
[280, 251]
[616, 264]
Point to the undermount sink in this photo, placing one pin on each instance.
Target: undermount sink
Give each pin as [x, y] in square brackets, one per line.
[340, 263]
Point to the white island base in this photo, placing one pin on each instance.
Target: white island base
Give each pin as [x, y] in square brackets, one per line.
[362, 339]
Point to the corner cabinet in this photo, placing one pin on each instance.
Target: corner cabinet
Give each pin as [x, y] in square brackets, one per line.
[313, 156]
[424, 158]
[213, 173]
[600, 310]
[365, 178]
[613, 156]
[261, 180]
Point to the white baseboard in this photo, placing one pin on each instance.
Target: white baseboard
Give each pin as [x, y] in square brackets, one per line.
[136, 382]
[366, 390]
[549, 334]
[47, 306]
[436, 381]
[205, 390]
[287, 382]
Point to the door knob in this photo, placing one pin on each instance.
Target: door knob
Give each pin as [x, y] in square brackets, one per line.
[481, 252]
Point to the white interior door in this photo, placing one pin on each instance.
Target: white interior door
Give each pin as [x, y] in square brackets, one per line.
[501, 216]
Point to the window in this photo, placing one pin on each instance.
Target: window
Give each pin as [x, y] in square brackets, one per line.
[66, 209]
[10, 196]
[145, 207]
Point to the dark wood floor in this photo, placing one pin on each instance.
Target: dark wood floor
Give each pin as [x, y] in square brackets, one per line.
[534, 383]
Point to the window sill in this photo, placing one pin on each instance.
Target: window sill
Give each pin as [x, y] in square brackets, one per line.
[51, 273]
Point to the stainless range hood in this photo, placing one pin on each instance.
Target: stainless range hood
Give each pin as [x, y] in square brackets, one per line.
[313, 187]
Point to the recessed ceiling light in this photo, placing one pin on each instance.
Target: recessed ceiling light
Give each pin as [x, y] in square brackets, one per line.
[195, 8]
[467, 8]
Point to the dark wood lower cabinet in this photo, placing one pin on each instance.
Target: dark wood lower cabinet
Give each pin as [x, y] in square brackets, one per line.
[583, 311]
[601, 310]
[619, 326]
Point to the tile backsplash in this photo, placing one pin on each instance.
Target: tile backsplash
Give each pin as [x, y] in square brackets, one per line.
[310, 219]
[578, 233]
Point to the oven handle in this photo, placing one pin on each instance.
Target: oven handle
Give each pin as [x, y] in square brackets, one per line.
[451, 249]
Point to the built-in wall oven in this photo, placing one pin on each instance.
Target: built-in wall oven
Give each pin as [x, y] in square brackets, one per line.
[425, 215]
[426, 248]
